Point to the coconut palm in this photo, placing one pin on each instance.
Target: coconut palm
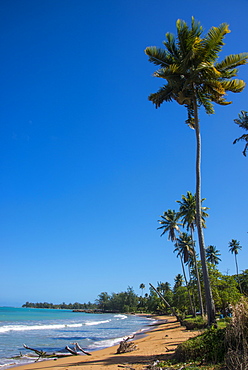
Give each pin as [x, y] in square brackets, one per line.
[142, 287]
[184, 248]
[212, 255]
[178, 281]
[170, 224]
[243, 123]
[195, 78]
[164, 287]
[187, 212]
[234, 248]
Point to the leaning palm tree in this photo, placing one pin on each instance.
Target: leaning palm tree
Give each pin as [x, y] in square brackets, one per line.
[195, 78]
[234, 248]
[212, 255]
[243, 123]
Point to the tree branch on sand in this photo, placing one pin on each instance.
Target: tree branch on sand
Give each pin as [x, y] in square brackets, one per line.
[72, 352]
[126, 346]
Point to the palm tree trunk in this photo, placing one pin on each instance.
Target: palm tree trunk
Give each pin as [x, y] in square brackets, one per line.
[166, 302]
[198, 279]
[208, 291]
[187, 286]
[237, 270]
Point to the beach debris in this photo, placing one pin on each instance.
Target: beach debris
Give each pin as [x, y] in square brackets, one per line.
[126, 346]
[81, 349]
[127, 367]
[41, 354]
[72, 352]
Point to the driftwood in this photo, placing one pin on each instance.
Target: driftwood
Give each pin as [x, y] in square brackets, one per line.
[81, 349]
[72, 352]
[126, 346]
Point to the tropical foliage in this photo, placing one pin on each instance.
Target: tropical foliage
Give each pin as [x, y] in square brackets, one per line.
[225, 292]
[212, 255]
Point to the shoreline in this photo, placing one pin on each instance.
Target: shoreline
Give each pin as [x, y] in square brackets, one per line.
[157, 342]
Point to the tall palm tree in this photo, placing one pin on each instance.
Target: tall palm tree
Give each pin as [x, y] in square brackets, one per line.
[195, 78]
[184, 248]
[170, 224]
[142, 287]
[163, 287]
[187, 211]
[243, 123]
[212, 255]
[178, 281]
[234, 248]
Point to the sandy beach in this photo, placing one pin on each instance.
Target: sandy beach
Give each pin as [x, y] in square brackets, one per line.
[159, 343]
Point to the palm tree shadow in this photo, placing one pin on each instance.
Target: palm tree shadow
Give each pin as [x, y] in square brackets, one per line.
[126, 359]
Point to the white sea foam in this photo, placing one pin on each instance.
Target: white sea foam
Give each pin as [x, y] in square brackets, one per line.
[122, 317]
[8, 328]
[90, 323]
[106, 343]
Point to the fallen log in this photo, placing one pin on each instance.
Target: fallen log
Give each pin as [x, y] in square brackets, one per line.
[81, 349]
[72, 352]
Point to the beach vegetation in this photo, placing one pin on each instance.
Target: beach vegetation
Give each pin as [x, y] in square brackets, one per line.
[183, 245]
[243, 280]
[187, 212]
[175, 300]
[234, 248]
[194, 77]
[212, 255]
[208, 347]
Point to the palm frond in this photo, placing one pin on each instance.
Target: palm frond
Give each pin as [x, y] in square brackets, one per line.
[212, 43]
[164, 94]
[158, 56]
[204, 100]
[235, 85]
[243, 120]
[172, 70]
[232, 61]
[243, 137]
[171, 46]
[188, 37]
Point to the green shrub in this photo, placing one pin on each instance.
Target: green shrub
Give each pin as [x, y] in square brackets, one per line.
[195, 323]
[208, 346]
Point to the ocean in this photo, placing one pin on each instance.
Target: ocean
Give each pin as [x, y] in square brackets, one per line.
[52, 330]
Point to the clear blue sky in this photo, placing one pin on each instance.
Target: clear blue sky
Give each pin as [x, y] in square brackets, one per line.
[88, 164]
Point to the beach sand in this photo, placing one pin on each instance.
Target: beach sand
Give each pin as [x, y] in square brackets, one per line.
[159, 343]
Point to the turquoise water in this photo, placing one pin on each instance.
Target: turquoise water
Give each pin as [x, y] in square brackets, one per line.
[52, 330]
